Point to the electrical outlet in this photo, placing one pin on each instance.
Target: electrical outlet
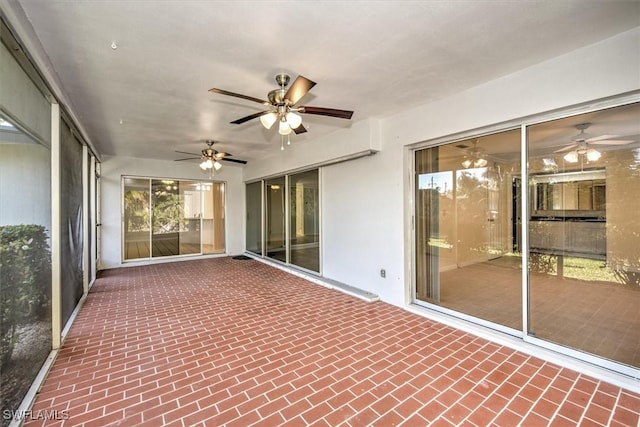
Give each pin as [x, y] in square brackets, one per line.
[383, 272]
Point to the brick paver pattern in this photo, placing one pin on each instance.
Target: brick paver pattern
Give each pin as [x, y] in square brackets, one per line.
[239, 343]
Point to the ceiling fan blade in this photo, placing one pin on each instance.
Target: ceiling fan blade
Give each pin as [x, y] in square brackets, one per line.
[601, 137]
[244, 162]
[298, 89]
[249, 117]
[220, 155]
[300, 129]
[237, 95]
[567, 148]
[331, 112]
[191, 154]
[611, 142]
[188, 158]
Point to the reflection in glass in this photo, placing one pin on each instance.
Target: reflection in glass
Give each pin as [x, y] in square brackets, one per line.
[254, 217]
[175, 219]
[275, 218]
[213, 217]
[304, 220]
[25, 262]
[167, 217]
[584, 273]
[464, 228]
[137, 218]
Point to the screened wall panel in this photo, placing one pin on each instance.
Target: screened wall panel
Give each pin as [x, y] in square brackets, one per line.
[25, 262]
[71, 199]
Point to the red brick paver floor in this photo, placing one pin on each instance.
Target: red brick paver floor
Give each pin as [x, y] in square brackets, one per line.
[239, 343]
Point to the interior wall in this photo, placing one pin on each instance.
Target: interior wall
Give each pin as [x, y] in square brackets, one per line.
[367, 203]
[113, 168]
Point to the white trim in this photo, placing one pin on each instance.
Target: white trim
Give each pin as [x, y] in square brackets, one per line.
[56, 191]
[524, 228]
[86, 238]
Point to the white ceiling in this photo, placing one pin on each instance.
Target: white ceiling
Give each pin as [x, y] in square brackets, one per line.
[149, 97]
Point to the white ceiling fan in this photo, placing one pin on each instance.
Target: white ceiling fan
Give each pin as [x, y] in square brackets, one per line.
[581, 145]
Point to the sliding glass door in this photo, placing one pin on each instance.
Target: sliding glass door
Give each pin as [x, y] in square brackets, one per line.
[577, 236]
[254, 217]
[304, 223]
[584, 228]
[167, 217]
[287, 210]
[462, 229]
[275, 228]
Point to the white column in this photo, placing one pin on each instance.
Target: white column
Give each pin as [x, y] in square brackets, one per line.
[56, 232]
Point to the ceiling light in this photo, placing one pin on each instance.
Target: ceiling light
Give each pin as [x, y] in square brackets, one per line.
[268, 119]
[284, 128]
[203, 166]
[571, 157]
[114, 46]
[480, 163]
[475, 157]
[593, 155]
[293, 119]
[217, 165]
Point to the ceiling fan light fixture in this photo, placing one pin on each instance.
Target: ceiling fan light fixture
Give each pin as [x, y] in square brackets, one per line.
[467, 163]
[571, 157]
[480, 163]
[593, 155]
[217, 165]
[268, 119]
[284, 128]
[203, 165]
[293, 119]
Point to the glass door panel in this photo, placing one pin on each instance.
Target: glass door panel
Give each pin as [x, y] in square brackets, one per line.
[304, 222]
[213, 218]
[584, 257]
[275, 218]
[190, 198]
[254, 217]
[137, 219]
[463, 223]
[175, 218]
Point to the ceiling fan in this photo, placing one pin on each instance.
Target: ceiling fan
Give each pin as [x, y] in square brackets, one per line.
[282, 106]
[210, 157]
[581, 145]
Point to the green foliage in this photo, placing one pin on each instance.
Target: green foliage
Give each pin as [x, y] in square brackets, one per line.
[25, 281]
[168, 213]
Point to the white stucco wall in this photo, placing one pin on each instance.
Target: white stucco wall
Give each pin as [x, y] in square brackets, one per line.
[112, 170]
[367, 203]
